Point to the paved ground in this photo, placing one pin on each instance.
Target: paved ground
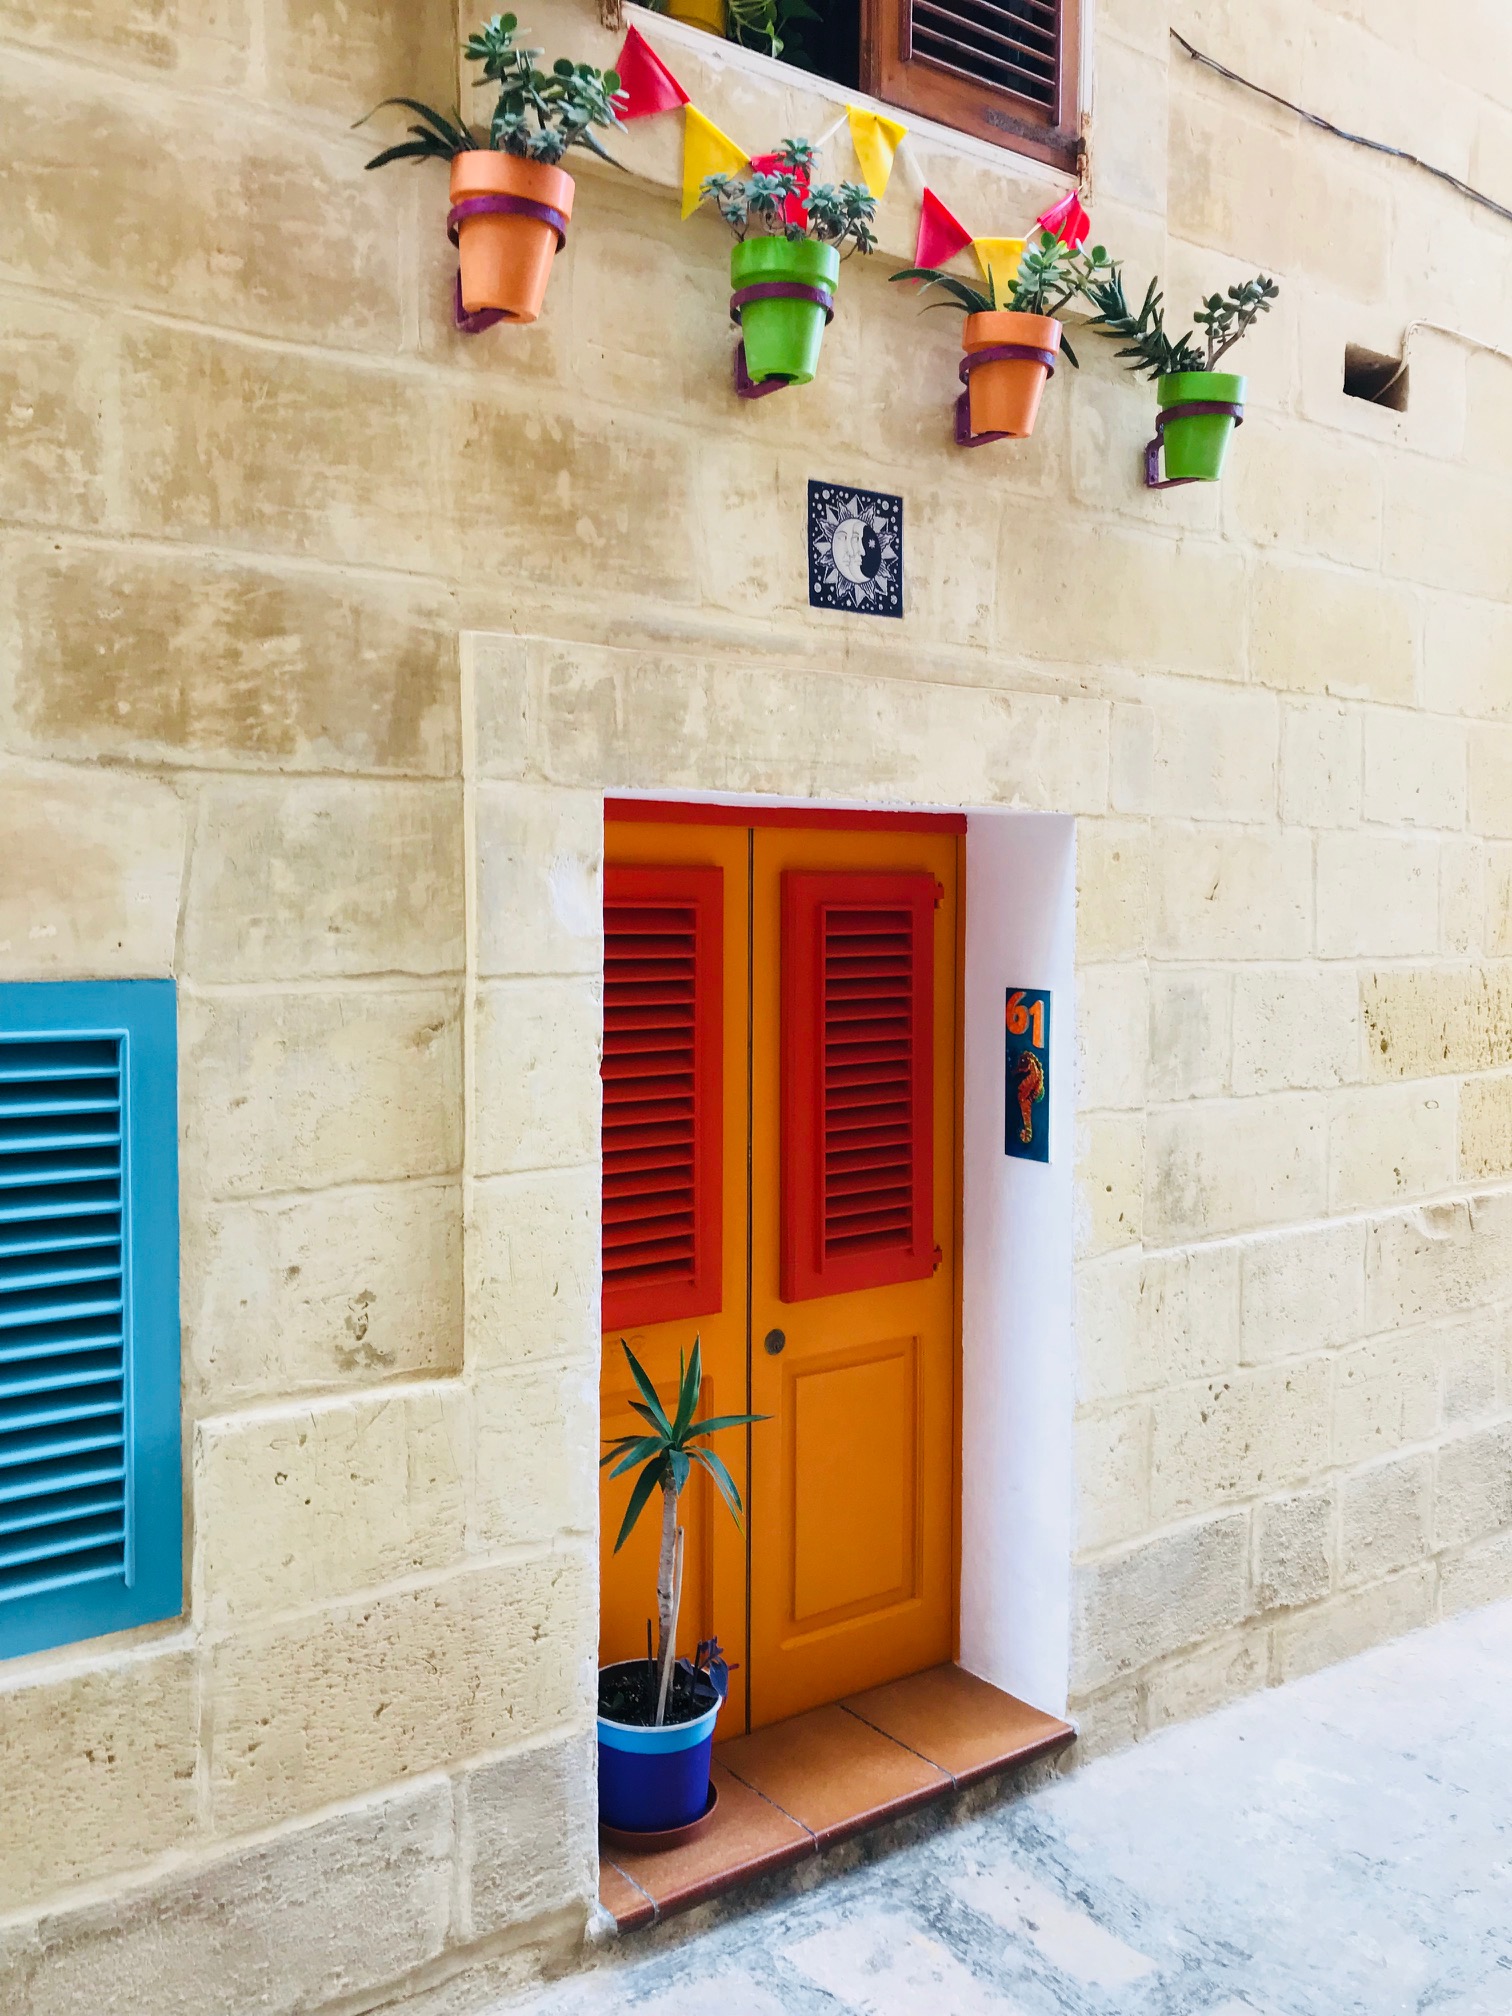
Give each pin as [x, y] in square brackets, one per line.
[1340, 1845]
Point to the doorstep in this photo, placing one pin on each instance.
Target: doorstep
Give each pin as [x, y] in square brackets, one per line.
[798, 1787]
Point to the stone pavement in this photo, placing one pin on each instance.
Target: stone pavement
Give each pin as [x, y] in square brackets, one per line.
[1339, 1845]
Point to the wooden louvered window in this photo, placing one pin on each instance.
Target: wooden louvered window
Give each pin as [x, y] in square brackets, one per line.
[90, 1502]
[663, 1081]
[857, 1081]
[1006, 70]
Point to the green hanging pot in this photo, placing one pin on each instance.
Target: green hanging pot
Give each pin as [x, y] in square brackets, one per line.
[1195, 441]
[782, 295]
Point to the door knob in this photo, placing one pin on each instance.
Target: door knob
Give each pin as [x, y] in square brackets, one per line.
[774, 1341]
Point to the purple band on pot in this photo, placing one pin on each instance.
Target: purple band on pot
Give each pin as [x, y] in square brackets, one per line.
[479, 320]
[1004, 353]
[783, 290]
[504, 206]
[746, 387]
[1191, 409]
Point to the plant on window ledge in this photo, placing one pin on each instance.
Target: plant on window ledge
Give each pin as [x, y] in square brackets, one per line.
[773, 27]
[790, 235]
[657, 1715]
[1011, 343]
[511, 200]
[1200, 406]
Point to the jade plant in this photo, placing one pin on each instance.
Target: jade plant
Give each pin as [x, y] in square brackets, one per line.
[1149, 348]
[537, 116]
[665, 1454]
[779, 198]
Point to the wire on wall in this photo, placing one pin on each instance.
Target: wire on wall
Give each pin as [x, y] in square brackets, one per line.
[1341, 133]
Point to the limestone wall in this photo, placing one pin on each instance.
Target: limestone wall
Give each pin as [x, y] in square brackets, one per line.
[253, 492]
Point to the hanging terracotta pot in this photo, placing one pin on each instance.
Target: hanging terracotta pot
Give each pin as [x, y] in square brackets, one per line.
[508, 219]
[1008, 358]
[1199, 411]
[783, 295]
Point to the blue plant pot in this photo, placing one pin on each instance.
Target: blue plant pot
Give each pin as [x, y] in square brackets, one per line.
[650, 1779]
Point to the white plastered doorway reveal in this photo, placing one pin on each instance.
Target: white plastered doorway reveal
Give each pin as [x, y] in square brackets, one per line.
[550, 729]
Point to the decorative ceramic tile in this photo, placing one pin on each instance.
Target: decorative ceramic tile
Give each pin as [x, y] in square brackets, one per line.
[855, 546]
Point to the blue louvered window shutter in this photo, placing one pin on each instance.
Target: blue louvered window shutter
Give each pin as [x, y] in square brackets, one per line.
[91, 1503]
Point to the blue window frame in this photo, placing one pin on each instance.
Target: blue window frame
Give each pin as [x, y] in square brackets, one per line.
[91, 1502]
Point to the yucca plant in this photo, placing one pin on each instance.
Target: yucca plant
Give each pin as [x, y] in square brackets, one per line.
[665, 1456]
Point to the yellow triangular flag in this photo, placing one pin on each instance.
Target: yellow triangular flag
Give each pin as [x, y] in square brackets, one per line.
[875, 140]
[999, 261]
[706, 151]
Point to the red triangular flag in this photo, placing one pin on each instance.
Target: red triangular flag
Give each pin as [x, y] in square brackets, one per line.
[941, 236]
[647, 82]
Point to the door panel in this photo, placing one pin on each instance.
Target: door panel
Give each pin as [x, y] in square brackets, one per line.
[853, 1481]
[714, 1571]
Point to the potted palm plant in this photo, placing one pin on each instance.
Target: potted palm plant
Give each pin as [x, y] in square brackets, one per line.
[1200, 406]
[656, 1715]
[511, 200]
[1011, 344]
[790, 235]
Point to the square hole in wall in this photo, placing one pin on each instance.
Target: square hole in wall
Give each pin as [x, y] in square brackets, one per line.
[1371, 376]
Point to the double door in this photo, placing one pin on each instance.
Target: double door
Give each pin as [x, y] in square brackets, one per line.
[780, 1181]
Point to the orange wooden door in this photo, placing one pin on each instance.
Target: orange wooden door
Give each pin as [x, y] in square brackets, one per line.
[659, 1252]
[853, 1486]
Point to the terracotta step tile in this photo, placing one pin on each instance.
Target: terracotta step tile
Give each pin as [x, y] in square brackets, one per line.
[961, 1724]
[747, 1837]
[628, 1907]
[832, 1772]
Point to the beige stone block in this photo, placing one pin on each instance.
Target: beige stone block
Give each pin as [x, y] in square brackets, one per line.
[297, 1091]
[1449, 528]
[1390, 1142]
[1109, 1182]
[1475, 1575]
[202, 40]
[1474, 1360]
[1310, 492]
[316, 1915]
[537, 1432]
[1112, 888]
[305, 1504]
[1324, 630]
[288, 450]
[1462, 895]
[1198, 1682]
[528, 1835]
[533, 1253]
[1294, 1549]
[1231, 186]
[1231, 894]
[322, 55]
[93, 868]
[307, 879]
[1344, 230]
[1234, 1165]
[1473, 1486]
[540, 881]
[1149, 1320]
[1238, 1436]
[1189, 1034]
[1378, 896]
[227, 215]
[1466, 649]
[1385, 1396]
[1112, 1475]
[137, 654]
[1348, 1624]
[1491, 781]
[1296, 1028]
[1496, 938]
[56, 380]
[1168, 1593]
[1211, 756]
[1303, 1291]
[1426, 1021]
[1485, 1128]
[952, 590]
[98, 1763]
[319, 1709]
[1132, 125]
[1166, 605]
[1112, 1015]
[1385, 1517]
[1108, 1721]
[536, 1062]
[1426, 1263]
[1322, 764]
[335, 1288]
[1415, 769]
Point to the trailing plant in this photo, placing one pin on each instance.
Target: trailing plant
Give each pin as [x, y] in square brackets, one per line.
[1051, 274]
[537, 115]
[665, 1456]
[784, 201]
[1150, 349]
[771, 27]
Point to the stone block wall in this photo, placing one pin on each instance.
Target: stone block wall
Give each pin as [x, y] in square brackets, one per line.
[253, 490]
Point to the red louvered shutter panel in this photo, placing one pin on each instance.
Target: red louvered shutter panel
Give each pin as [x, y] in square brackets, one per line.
[663, 1067]
[857, 1081]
